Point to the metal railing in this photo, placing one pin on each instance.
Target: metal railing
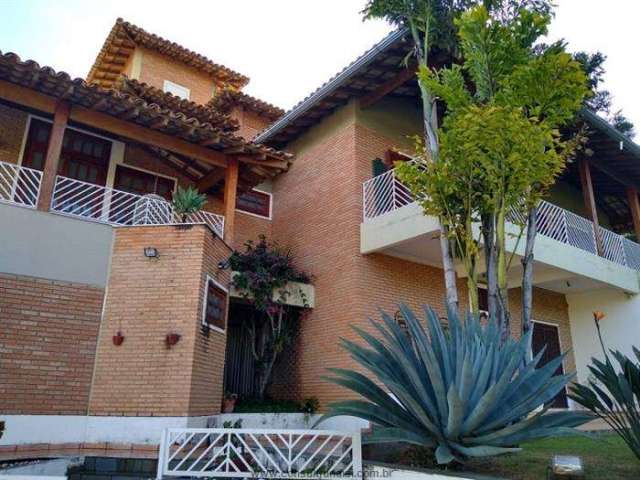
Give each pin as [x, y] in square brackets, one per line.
[259, 453]
[115, 207]
[19, 185]
[385, 193]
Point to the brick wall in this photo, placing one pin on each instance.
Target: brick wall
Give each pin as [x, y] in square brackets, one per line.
[147, 299]
[319, 209]
[12, 127]
[156, 68]
[250, 122]
[48, 333]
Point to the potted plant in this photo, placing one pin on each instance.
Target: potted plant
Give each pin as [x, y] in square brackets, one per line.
[171, 339]
[187, 201]
[118, 338]
[229, 402]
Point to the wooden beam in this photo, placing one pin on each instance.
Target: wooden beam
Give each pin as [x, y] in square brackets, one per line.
[590, 201]
[281, 164]
[45, 103]
[634, 207]
[389, 86]
[210, 179]
[230, 192]
[52, 159]
[146, 135]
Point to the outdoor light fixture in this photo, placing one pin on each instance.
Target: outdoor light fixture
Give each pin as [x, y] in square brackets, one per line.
[223, 265]
[565, 466]
[150, 252]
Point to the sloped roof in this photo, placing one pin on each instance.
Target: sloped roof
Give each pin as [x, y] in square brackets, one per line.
[211, 132]
[226, 99]
[152, 94]
[124, 37]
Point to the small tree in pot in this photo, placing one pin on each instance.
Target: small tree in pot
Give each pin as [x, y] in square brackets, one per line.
[264, 273]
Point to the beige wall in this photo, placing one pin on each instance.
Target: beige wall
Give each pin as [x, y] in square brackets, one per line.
[156, 68]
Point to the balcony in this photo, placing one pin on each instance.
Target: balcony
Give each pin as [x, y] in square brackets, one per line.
[566, 250]
[21, 186]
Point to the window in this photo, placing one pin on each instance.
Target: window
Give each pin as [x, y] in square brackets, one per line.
[143, 183]
[177, 90]
[215, 305]
[255, 202]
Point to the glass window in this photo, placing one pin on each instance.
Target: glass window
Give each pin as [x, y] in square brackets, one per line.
[255, 202]
[215, 305]
[177, 90]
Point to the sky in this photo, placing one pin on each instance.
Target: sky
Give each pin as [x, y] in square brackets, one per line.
[287, 47]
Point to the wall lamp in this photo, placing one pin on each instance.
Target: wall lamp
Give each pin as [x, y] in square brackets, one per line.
[150, 252]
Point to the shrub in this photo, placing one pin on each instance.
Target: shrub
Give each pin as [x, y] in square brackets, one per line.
[616, 402]
[465, 392]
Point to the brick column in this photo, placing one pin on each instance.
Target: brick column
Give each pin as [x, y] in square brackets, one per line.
[52, 159]
[148, 298]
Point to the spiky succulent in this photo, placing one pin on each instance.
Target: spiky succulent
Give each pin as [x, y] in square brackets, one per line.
[465, 391]
[187, 201]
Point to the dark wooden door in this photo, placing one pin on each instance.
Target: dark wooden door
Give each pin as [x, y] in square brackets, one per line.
[548, 335]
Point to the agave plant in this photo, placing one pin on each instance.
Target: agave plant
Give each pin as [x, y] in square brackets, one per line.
[187, 201]
[466, 391]
[618, 403]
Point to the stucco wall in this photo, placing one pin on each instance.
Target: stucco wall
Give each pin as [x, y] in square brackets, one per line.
[620, 328]
[55, 247]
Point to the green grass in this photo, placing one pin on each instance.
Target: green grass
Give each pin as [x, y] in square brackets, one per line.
[605, 457]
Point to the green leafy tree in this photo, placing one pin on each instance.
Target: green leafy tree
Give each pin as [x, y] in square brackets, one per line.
[187, 201]
[466, 391]
[500, 147]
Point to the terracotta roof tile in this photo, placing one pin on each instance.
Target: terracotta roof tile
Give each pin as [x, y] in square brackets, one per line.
[124, 37]
[213, 134]
[226, 99]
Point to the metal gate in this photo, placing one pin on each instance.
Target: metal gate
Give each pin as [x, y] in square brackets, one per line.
[244, 453]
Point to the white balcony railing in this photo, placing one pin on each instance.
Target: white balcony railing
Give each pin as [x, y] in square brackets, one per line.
[115, 207]
[19, 185]
[385, 193]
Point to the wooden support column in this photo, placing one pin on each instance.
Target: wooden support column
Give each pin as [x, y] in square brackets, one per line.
[52, 159]
[230, 192]
[590, 201]
[634, 207]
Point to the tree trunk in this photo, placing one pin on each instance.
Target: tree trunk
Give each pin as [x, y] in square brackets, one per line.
[488, 233]
[527, 275]
[501, 270]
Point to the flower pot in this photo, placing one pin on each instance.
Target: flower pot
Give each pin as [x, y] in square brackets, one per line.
[228, 405]
[171, 339]
[118, 338]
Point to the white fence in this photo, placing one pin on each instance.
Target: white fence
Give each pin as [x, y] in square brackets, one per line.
[19, 185]
[385, 193]
[243, 453]
[115, 207]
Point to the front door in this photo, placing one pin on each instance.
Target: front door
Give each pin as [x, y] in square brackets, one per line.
[545, 334]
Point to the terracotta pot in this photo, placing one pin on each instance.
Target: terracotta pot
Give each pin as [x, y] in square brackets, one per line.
[228, 405]
[118, 338]
[172, 339]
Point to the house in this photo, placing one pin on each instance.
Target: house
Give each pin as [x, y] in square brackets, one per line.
[116, 319]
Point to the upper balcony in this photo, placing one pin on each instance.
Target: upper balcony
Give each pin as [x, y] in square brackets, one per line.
[21, 186]
[571, 253]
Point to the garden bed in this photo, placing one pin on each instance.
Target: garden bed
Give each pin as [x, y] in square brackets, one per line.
[604, 455]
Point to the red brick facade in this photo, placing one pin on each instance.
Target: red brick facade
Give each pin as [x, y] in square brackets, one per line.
[48, 332]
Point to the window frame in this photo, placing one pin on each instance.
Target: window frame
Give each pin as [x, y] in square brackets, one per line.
[176, 86]
[217, 284]
[270, 195]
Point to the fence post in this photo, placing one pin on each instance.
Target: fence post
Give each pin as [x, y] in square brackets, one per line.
[393, 189]
[162, 453]
[356, 451]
